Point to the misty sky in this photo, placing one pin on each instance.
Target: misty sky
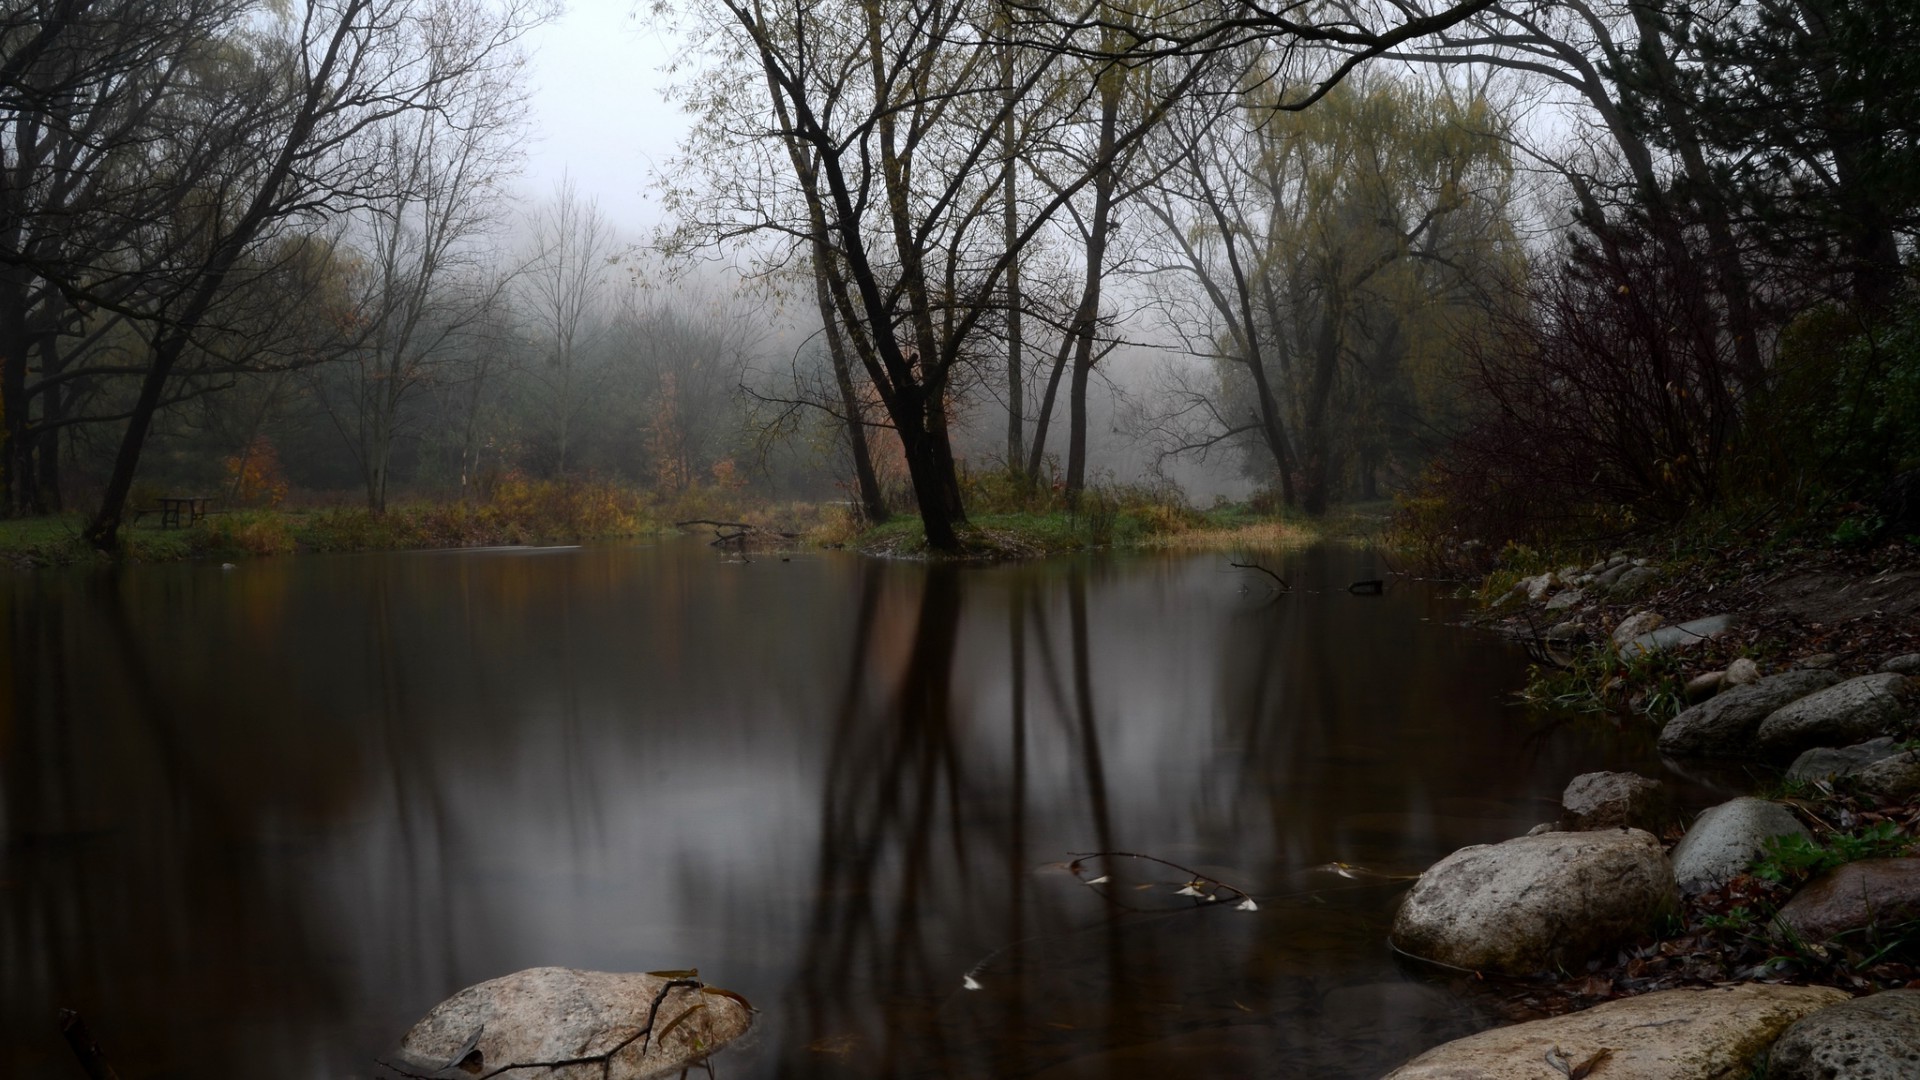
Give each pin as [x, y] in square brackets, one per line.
[597, 111]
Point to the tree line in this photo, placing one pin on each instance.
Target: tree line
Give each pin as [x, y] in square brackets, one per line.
[285, 234]
[1546, 260]
[1554, 264]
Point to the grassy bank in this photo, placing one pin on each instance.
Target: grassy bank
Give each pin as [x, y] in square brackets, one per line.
[559, 514]
[516, 513]
[1109, 522]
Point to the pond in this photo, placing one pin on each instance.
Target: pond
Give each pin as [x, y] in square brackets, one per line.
[258, 820]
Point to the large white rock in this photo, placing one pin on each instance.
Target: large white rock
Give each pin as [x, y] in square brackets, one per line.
[561, 1024]
[1536, 902]
[1672, 1035]
[1853, 711]
[1724, 840]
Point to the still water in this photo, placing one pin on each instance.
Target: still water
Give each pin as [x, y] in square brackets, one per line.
[258, 821]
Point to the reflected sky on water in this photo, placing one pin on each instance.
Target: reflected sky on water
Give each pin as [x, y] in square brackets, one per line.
[257, 821]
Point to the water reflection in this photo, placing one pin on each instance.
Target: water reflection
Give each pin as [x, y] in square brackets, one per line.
[273, 815]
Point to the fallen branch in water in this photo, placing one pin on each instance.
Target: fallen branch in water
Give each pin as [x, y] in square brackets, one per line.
[92, 1061]
[1284, 587]
[744, 530]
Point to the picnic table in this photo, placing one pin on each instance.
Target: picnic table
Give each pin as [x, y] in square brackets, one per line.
[172, 506]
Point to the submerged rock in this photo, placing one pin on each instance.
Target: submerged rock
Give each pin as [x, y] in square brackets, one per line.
[1869, 1038]
[1848, 712]
[1883, 892]
[562, 1016]
[1605, 800]
[1726, 839]
[1723, 725]
[1535, 902]
[1670, 1035]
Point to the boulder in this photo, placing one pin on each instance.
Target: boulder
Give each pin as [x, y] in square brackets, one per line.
[1869, 1038]
[1571, 630]
[1704, 685]
[1820, 660]
[1565, 599]
[1831, 763]
[1539, 586]
[1606, 579]
[1675, 637]
[1640, 622]
[1849, 712]
[1726, 839]
[1896, 777]
[554, 1014]
[1711, 1034]
[1853, 897]
[1903, 665]
[1607, 800]
[1535, 902]
[1742, 672]
[1723, 725]
[1634, 579]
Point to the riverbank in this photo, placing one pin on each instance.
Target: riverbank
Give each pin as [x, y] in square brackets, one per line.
[556, 514]
[1778, 671]
[1137, 526]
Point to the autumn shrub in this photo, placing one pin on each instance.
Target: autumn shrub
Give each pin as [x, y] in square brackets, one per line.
[254, 476]
[572, 509]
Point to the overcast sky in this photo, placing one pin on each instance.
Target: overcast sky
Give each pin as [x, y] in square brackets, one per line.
[597, 111]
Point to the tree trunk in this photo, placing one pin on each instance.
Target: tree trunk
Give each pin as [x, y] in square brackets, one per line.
[46, 452]
[872, 503]
[1086, 320]
[1317, 453]
[15, 449]
[1010, 236]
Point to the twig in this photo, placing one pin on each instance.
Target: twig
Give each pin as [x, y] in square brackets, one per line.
[1284, 587]
[81, 1040]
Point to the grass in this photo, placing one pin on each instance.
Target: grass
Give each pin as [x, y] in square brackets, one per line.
[1110, 521]
[519, 512]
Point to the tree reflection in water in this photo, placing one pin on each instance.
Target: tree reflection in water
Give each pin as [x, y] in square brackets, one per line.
[276, 814]
[942, 944]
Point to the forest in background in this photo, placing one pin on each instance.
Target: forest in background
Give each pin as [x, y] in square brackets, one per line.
[1543, 270]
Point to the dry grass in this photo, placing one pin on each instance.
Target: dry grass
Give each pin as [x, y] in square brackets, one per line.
[1257, 534]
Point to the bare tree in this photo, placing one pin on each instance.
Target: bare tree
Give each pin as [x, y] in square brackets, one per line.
[291, 127]
[427, 285]
[564, 289]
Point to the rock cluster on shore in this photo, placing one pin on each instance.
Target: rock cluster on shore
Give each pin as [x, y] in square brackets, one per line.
[1555, 900]
[1558, 896]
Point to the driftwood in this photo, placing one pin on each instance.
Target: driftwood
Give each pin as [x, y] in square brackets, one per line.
[92, 1061]
[742, 530]
[1284, 587]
